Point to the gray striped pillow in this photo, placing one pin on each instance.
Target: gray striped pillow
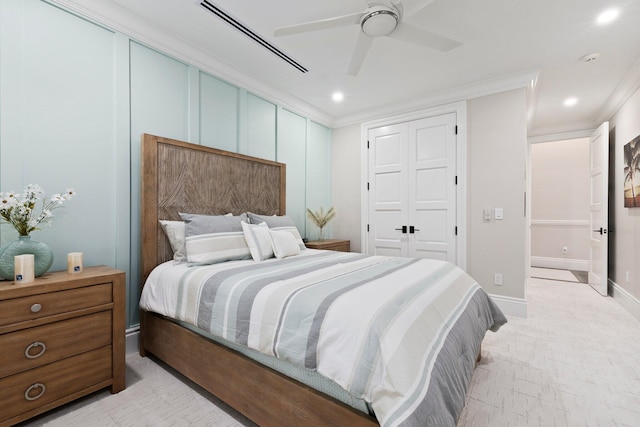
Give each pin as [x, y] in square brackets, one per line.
[210, 239]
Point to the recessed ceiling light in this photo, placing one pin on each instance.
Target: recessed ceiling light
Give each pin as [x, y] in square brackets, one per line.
[570, 102]
[337, 96]
[607, 16]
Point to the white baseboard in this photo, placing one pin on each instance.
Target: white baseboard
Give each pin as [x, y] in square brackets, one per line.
[511, 306]
[628, 301]
[560, 263]
[132, 340]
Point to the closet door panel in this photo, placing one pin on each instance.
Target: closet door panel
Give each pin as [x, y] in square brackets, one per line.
[432, 192]
[388, 190]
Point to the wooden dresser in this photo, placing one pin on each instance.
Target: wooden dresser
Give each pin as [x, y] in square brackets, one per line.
[330, 244]
[61, 337]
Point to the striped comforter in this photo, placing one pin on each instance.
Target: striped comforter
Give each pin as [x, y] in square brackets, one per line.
[400, 333]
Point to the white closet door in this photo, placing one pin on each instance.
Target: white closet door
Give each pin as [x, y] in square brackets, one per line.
[432, 188]
[388, 190]
[412, 189]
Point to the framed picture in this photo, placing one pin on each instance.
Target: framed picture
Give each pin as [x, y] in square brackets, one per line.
[632, 173]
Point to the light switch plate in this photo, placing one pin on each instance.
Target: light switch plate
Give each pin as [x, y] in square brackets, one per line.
[487, 214]
[498, 213]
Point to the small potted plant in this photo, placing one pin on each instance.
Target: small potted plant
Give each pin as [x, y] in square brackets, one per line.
[321, 218]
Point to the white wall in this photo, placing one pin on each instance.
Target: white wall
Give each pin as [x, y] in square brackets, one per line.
[496, 164]
[560, 204]
[497, 150]
[346, 171]
[624, 271]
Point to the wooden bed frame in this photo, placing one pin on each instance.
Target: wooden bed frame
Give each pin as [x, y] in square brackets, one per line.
[182, 177]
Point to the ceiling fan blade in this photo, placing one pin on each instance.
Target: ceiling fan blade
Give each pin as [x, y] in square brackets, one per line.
[415, 35]
[409, 7]
[362, 48]
[321, 24]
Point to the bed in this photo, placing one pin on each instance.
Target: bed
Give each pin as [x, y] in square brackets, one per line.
[314, 380]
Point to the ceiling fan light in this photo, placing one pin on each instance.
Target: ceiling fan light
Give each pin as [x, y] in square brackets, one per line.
[379, 23]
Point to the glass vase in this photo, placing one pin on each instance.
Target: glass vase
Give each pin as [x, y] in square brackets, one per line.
[43, 256]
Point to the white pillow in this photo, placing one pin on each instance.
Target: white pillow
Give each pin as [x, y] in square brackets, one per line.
[278, 223]
[258, 240]
[284, 244]
[174, 230]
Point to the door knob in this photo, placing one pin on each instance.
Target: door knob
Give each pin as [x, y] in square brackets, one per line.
[412, 229]
[601, 231]
[403, 229]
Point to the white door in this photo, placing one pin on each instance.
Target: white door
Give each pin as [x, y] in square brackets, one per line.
[412, 189]
[599, 168]
[388, 190]
[432, 188]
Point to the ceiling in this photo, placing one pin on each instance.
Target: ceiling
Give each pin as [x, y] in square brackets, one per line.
[503, 41]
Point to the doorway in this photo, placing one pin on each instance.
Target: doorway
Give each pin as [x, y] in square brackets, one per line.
[560, 207]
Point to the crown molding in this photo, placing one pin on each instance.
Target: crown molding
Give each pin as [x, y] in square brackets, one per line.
[114, 17]
[562, 136]
[627, 87]
[448, 96]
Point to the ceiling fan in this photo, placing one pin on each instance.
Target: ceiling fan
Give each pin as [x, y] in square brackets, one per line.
[377, 20]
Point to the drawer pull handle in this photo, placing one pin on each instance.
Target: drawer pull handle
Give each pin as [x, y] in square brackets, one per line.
[36, 308]
[27, 351]
[35, 387]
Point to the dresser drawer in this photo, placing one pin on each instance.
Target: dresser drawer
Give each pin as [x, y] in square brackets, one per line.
[37, 306]
[30, 348]
[30, 390]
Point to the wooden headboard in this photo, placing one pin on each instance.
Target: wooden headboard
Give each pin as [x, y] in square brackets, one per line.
[183, 177]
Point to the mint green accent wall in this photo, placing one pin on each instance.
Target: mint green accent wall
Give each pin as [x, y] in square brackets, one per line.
[159, 106]
[261, 134]
[291, 149]
[218, 113]
[318, 173]
[75, 98]
[58, 126]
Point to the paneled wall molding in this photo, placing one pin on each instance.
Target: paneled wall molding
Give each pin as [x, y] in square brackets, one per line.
[113, 16]
[560, 222]
[560, 263]
[98, 89]
[628, 301]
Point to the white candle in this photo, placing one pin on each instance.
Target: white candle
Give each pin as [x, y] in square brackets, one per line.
[74, 262]
[23, 268]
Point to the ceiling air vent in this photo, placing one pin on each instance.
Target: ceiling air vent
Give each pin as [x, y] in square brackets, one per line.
[251, 34]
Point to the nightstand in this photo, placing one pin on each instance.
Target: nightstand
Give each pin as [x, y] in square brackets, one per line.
[62, 337]
[330, 244]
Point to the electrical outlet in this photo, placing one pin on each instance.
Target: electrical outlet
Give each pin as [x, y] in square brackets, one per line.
[487, 214]
[497, 279]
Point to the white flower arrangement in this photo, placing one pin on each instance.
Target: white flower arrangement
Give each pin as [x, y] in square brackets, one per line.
[19, 209]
